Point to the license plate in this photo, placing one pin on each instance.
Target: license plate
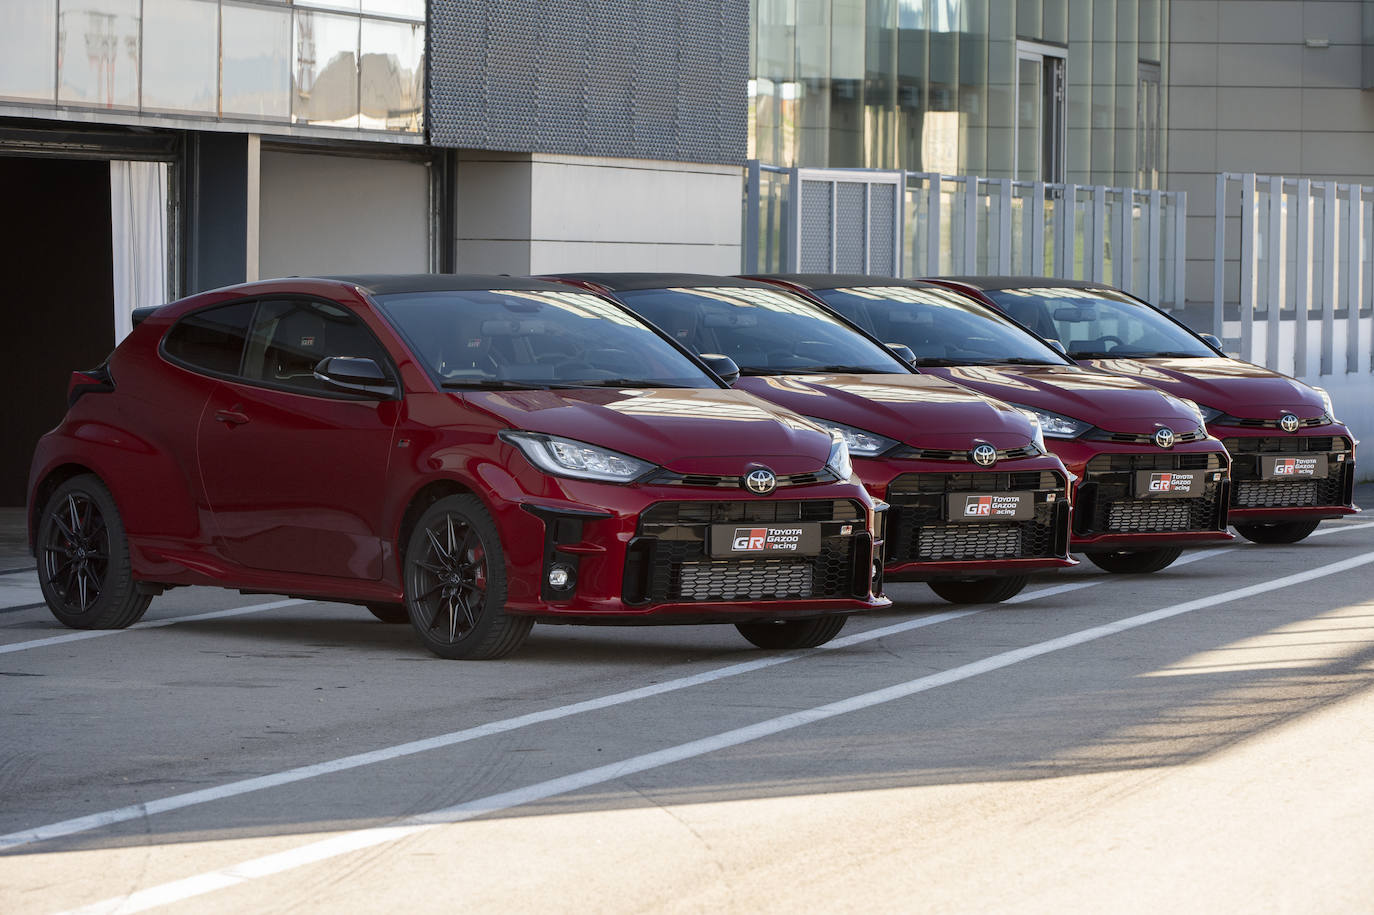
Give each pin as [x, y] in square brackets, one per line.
[1164, 484]
[1293, 467]
[739, 541]
[991, 506]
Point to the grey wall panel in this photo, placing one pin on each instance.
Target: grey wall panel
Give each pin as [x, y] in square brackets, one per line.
[650, 79]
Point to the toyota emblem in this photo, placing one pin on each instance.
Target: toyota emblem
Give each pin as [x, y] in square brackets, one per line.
[1289, 423]
[1164, 437]
[984, 455]
[761, 481]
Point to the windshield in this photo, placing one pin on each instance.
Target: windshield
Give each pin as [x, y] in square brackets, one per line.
[766, 331]
[1096, 323]
[941, 327]
[535, 339]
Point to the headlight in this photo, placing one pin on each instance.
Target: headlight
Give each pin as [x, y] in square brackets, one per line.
[859, 441]
[1326, 404]
[1209, 413]
[838, 463]
[1054, 425]
[1038, 437]
[565, 457]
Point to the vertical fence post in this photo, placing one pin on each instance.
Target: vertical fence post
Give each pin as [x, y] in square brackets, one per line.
[1249, 231]
[1328, 277]
[1354, 280]
[1153, 261]
[1098, 270]
[1302, 276]
[1064, 217]
[1219, 259]
[1180, 248]
[1127, 249]
[971, 224]
[794, 227]
[1004, 219]
[1037, 229]
[1274, 252]
[933, 227]
[752, 201]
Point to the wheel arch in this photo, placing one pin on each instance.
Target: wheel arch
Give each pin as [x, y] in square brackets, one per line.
[42, 492]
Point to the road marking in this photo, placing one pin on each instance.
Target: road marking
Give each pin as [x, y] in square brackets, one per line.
[19, 571]
[268, 865]
[154, 624]
[1340, 529]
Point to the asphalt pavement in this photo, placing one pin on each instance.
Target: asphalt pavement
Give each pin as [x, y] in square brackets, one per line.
[1192, 740]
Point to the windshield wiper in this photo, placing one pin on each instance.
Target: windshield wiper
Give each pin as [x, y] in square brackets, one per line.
[850, 369]
[1170, 354]
[941, 360]
[501, 384]
[620, 383]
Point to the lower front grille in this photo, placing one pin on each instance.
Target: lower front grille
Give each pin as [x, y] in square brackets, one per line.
[968, 541]
[918, 529]
[1144, 515]
[732, 580]
[1248, 490]
[1106, 502]
[1280, 493]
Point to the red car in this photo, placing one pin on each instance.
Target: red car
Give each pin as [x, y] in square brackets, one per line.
[469, 453]
[1292, 462]
[1151, 481]
[977, 503]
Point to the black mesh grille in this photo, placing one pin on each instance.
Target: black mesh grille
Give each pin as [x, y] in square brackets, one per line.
[668, 560]
[1280, 493]
[918, 532]
[1248, 490]
[968, 541]
[1107, 504]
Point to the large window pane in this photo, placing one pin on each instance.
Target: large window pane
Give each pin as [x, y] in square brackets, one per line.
[28, 50]
[393, 78]
[325, 86]
[97, 50]
[181, 55]
[257, 61]
[409, 9]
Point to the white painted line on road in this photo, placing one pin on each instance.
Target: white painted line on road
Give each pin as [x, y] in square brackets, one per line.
[154, 624]
[269, 865]
[1340, 529]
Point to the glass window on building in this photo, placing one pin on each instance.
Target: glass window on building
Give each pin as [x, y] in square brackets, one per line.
[255, 62]
[181, 56]
[98, 53]
[28, 50]
[325, 75]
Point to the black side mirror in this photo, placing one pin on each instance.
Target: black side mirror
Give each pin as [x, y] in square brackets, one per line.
[357, 375]
[723, 366]
[902, 352]
[1211, 340]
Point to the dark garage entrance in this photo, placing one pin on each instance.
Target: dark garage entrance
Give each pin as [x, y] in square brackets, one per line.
[59, 311]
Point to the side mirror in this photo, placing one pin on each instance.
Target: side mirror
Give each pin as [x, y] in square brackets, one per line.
[723, 366]
[1057, 345]
[357, 375]
[1211, 340]
[902, 352]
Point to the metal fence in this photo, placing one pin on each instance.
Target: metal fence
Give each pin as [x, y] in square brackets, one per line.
[896, 223]
[1292, 277]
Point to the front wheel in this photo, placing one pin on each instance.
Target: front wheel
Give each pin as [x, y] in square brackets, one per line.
[83, 559]
[455, 578]
[793, 634]
[980, 590]
[1136, 562]
[1279, 532]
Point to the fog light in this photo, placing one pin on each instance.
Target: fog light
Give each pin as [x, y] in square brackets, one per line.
[560, 577]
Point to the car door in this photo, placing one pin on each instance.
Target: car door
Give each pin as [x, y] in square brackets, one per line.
[294, 470]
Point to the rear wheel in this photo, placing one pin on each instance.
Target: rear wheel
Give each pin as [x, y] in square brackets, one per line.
[83, 559]
[1135, 562]
[980, 590]
[455, 576]
[792, 634]
[390, 613]
[1279, 532]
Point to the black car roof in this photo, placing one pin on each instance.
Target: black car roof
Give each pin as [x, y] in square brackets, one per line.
[843, 280]
[386, 284]
[1024, 282]
[625, 282]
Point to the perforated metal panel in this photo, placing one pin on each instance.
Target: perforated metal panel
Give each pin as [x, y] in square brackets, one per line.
[845, 221]
[851, 227]
[816, 229]
[882, 232]
[654, 79]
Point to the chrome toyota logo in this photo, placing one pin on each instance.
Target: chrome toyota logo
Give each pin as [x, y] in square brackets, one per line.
[1289, 423]
[1164, 437]
[761, 481]
[984, 455]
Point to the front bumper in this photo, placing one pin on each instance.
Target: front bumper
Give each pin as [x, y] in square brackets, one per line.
[1254, 499]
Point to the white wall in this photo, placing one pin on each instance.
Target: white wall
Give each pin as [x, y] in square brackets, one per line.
[530, 213]
[325, 214]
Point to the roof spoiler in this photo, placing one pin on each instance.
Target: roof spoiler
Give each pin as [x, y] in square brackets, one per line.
[140, 313]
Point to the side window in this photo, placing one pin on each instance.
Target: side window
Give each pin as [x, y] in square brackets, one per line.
[291, 336]
[211, 339]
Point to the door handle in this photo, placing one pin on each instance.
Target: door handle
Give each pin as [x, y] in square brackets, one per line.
[230, 418]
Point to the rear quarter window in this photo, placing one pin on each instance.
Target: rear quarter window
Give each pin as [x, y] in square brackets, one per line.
[211, 339]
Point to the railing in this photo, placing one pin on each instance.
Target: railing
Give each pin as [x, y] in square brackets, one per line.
[923, 224]
[1297, 292]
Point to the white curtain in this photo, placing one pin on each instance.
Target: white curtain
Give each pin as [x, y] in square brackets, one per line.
[138, 207]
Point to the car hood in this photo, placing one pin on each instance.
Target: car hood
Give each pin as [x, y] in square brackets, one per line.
[1230, 385]
[920, 410]
[1112, 402]
[696, 430]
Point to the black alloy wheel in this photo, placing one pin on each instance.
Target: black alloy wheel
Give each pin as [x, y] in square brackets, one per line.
[83, 559]
[794, 634]
[456, 583]
[980, 590]
[1277, 532]
[1136, 562]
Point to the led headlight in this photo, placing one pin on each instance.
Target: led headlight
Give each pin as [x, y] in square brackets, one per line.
[1326, 403]
[1037, 437]
[859, 441]
[838, 463]
[565, 457]
[1209, 414]
[1053, 425]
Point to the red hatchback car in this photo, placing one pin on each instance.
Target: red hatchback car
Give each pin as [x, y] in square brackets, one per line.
[1292, 462]
[469, 453]
[977, 503]
[1151, 481]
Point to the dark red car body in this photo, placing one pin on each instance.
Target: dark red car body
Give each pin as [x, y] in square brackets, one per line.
[228, 483]
[1124, 415]
[937, 424]
[1252, 400]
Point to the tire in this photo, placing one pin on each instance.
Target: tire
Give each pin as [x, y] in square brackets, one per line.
[1136, 562]
[794, 634]
[83, 559]
[455, 578]
[1279, 532]
[980, 590]
[390, 613]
